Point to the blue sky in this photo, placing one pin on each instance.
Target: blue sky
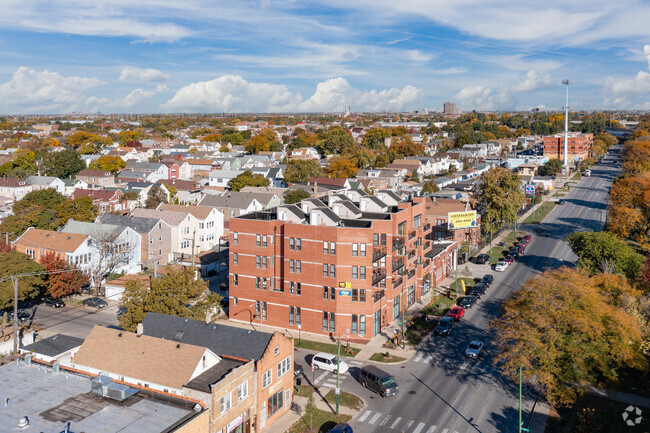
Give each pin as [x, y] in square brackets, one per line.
[146, 56]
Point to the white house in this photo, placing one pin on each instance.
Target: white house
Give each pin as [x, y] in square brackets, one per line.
[184, 226]
[44, 182]
[210, 223]
[221, 178]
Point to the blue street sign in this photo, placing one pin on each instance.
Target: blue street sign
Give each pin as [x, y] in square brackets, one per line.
[345, 293]
[530, 189]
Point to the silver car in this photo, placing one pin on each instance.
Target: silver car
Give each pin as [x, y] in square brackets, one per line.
[474, 349]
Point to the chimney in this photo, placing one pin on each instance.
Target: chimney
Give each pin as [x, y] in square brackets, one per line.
[139, 329]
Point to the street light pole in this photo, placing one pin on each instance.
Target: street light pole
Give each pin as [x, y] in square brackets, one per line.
[338, 374]
[14, 281]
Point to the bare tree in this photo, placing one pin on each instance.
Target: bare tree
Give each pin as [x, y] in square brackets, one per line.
[607, 266]
[111, 251]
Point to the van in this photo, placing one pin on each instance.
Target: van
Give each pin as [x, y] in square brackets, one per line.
[587, 172]
[328, 362]
[378, 381]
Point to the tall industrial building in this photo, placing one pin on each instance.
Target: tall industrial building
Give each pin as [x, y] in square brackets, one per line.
[450, 109]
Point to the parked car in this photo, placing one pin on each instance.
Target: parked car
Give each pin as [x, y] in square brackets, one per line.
[480, 286]
[297, 369]
[482, 259]
[328, 362]
[95, 302]
[474, 349]
[445, 326]
[476, 292]
[456, 313]
[378, 381]
[468, 302]
[501, 266]
[23, 316]
[341, 428]
[514, 251]
[53, 302]
[488, 279]
[527, 237]
[509, 259]
[560, 201]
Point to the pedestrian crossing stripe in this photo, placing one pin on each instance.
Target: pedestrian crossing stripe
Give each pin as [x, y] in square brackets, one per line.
[372, 418]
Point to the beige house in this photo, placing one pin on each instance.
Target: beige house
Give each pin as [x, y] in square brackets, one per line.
[184, 228]
[210, 221]
[96, 177]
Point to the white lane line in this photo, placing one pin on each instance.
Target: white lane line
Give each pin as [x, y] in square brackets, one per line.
[319, 378]
[464, 366]
[431, 429]
[445, 430]
[399, 418]
[364, 415]
[408, 426]
[374, 418]
[419, 428]
[386, 419]
[418, 357]
[428, 358]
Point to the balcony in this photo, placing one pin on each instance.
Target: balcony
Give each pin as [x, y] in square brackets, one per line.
[426, 227]
[398, 262]
[412, 234]
[411, 254]
[426, 263]
[378, 295]
[398, 242]
[411, 274]
[378, 253]
[397, 282]
[377, 276]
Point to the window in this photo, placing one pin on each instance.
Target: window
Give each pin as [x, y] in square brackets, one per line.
[332, 271]
[235, 259]
[266, 378]
[362, 324]
[264, 310]
[355, 324]
[264, 280]
[294, 288]
[355, 295]
[355, 249]
[332, 247]
[362, 272]
[325, 270]
[235, 279]
[275, 402]
[258, 259]
[257, 283]
[362, 295]
[298, 244]
[297, 316]
[292, 244]
[264, 240]
[355, 272]
[324, 321]
[362, 250]
[263, 262]
[396, 307]
[235, 301]
[292, 266]
[417, 221]
[258, 240]
[242, 391]
[332, 293]
[284, 366]
[332, 327]
[298, 266]
[291, 315]
[226, 403]
[326, 247]
[401, 228]
[325, 292]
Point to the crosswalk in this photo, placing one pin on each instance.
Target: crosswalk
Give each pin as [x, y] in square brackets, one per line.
[398, 423]
[438, 360]
[328, 380]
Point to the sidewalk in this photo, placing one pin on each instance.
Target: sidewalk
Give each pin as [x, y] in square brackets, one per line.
[284, 423]
[622, 397]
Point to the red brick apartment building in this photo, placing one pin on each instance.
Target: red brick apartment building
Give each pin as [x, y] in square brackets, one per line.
[579, 146]
[347, 266]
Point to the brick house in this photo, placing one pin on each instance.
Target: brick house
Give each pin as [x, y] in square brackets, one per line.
[106, 201]
[437, 214]
[579, 146]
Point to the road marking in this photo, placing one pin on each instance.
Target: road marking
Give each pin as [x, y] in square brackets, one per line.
[428, 358]
[399, 418]
[419, 428]
[374, 418]
[445, 430]
[364, 415]
[408, 425]
[464, 366]
[386, 419]
[319, 378]
[431, 429]
[418, 357]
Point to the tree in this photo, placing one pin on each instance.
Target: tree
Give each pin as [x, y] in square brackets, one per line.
[375, 137]
[501, 195]
[109, 163]
[551, 168]
[401, 147]
[79, 209]
[23, 165]
[126, 136]
[86, 143]
[48, 198]
[342, 168]
[302, 170]
[156, 196]
[62, 279]
[415, 177]
[177, 293]
[430, 187]
[64, 164]
[560, 328]
[595, 249]
[247, 178]
[335, 140]
[15, 263]
[108, 254]
[295, 195]
[257, 144]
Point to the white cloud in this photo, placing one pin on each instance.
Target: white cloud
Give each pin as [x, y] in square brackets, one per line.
[418, 56]
[131, 73]
[631, 87]
[231, 93]
[482, 98]
[45, 88]
[646, 51]
[475, 97]
[532, 82]
[138, 95]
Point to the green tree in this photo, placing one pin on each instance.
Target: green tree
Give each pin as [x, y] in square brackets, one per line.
[156, 196]
[79, 209]
[374, 138]
[560, 328]
[109, 163]
[231, 136]
[302, 170]
[501, 195]
[604, 252]
[177, 293]
[15, 263]
[21, 166]
[247, 178]
[292, 196]
[430, 187]
[551, 168]
[335, 141]
[64, 164]
[48, 198]
[415, 177]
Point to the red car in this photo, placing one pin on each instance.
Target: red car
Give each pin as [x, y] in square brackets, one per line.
[527, 237]
[456, 313]
[509, 259]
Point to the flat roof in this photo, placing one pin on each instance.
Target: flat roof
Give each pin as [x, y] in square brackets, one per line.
[51, 400]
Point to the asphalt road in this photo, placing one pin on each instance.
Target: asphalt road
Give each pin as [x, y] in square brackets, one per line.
[76, 321]
[441, 391]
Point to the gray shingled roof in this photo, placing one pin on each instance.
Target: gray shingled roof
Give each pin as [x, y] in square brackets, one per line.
[220, 339]
[139, 224]
[54, 345]
[391, 194]
[376, 200]
[214, 375]
[329, 213]
[236, 200]
[350, 206]
[294, 209]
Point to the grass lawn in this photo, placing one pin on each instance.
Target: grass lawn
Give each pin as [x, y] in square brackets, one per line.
[469, 283]
[321, 421]
[345, 399]
[541, 212]
[607, 417]
[379, 357]
[324, 347]
[305, 388]
[498, 252]
[576, 176]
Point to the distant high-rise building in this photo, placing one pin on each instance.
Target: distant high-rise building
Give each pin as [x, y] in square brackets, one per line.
[450, 108]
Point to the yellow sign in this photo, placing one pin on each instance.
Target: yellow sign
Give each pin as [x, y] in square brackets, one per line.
[344, 285]
[461, 220]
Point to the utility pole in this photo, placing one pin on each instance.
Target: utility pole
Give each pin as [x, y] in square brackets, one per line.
[338, 374]
[193, 247]
[14, 281]
[403, 318]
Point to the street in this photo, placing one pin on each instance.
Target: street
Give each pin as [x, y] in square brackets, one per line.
[441, 391]
[76, 321]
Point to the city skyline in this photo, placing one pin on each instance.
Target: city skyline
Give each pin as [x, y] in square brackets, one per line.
[267, 56]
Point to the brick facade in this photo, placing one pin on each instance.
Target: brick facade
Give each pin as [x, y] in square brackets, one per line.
[579, 146]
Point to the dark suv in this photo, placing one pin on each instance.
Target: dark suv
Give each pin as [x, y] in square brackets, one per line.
[53, 302]
[95, 302]
[468, 301]
[481, 259]
[445, 326]
[378, 380]
[488, 279]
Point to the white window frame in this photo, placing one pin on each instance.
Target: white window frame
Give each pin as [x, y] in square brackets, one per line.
[267, 378]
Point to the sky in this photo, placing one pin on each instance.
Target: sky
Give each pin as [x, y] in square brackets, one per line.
[213, 56]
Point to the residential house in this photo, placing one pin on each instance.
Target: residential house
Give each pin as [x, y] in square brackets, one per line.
[201, 167]
[58, 347]
[105, 200]
[173, 169]
[527, 169]
[275, 175]
[156, 169]
[271, 353]
[220, 178]
[185, 191]
[14, 188]
[232, 204]
[183, 226]
[96, 177]
[126, 176]
[44, 182]
[210, 223]
[382, 178]
[156, 244]
[75, 249]
[304, 153]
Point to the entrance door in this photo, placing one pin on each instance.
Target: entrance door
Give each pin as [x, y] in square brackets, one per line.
[376, 323]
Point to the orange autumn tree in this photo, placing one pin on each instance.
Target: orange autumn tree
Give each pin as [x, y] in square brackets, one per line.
[62, 279]
[342, 168]
[569, 331]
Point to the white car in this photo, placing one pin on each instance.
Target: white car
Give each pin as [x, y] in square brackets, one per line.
[474, 349]
[328, 362]
[501, 266]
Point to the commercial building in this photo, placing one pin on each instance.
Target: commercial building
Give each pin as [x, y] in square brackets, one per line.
[348, 266]
[450, 109]
[438, 210]
[579, 146]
